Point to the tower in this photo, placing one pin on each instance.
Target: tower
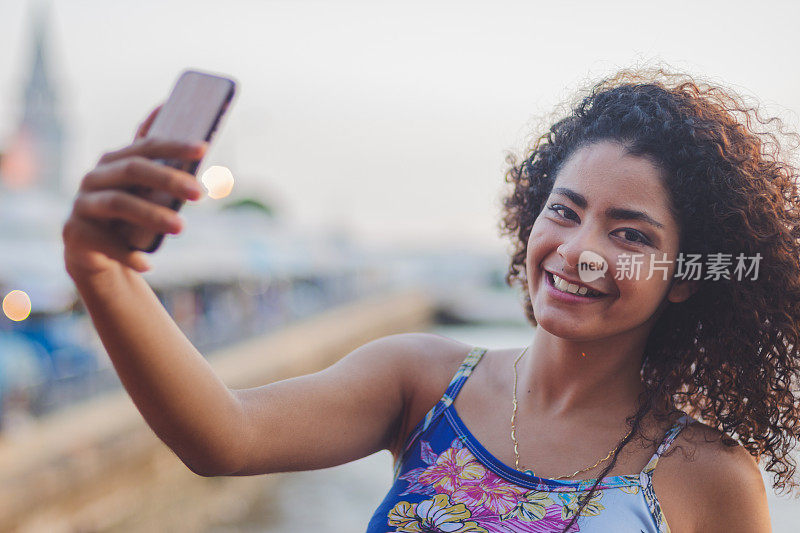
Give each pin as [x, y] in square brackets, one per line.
[34, 156]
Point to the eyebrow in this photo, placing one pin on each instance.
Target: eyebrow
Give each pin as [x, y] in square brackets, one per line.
[617, 213]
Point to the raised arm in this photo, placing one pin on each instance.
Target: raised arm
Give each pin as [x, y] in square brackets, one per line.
[349, 410]
[346, 411]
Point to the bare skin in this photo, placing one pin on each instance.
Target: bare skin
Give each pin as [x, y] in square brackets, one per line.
[695, 485]
[373, 397]
[355, 405]
[580, 377]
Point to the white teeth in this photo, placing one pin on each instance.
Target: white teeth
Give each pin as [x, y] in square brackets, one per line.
[565, 286]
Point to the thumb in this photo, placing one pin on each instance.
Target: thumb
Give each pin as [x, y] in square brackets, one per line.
[144, 127]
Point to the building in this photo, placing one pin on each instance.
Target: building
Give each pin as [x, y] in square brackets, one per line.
[33, 157]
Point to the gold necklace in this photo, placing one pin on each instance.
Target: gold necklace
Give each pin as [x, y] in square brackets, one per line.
[513, 430]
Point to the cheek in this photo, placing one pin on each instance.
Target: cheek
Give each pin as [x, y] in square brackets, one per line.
[539, 242]
[637, 281]
[542, 232]
[643, 290]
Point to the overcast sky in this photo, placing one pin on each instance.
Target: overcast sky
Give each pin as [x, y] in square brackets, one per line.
[391, 119]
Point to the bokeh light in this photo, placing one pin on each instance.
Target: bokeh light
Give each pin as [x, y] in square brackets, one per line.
[17, 305]
[218, 181]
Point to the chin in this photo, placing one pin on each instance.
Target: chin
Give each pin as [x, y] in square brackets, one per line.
[560, 326]
[568, 328]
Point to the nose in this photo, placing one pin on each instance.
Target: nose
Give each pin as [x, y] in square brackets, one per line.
[577, 241]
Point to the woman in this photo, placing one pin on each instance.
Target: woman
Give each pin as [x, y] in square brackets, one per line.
[646, 165]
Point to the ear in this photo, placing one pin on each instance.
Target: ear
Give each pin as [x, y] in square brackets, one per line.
[682, 289]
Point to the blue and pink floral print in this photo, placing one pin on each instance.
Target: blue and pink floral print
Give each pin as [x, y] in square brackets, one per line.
[446, 481]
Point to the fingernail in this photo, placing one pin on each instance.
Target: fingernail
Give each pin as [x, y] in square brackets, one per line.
[194, 192]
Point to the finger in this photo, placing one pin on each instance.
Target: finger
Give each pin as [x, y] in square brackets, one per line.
[143, 172]
[113, 204]
[155, 148]
[144, 127]
[108, 243]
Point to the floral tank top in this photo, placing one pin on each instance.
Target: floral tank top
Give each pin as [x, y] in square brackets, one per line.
[446, 481]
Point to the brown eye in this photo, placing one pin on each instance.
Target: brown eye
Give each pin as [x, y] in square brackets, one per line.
[559, 207]
[635, 236]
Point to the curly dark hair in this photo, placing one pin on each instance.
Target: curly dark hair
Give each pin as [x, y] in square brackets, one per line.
[729, 354]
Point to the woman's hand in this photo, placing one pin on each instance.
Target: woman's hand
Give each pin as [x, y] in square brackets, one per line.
[91, 245]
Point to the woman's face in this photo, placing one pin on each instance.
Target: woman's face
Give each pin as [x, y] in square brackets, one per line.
[611, 204]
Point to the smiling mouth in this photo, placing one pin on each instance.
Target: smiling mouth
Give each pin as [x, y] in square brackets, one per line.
[566, 287]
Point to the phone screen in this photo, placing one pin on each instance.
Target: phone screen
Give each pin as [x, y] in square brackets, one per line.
[192, 113]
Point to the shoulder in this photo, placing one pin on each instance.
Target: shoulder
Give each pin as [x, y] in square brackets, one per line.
[423, 363]
[427, 362]
[400, 365]
[724, 481]
[408, 351]
[420, 353]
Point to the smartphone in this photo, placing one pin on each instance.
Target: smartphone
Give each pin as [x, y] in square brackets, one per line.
[192, 113]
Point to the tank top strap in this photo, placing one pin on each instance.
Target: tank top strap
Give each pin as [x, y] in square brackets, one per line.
[460, 377]
[683, 421]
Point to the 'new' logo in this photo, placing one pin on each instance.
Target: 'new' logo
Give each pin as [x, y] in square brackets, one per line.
[591, 266]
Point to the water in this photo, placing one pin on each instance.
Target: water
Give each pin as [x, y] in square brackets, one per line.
[342, 499]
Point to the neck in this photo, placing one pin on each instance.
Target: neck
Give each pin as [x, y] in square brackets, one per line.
[562, 377]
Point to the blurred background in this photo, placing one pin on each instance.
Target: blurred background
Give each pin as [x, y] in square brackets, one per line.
[357, 179]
